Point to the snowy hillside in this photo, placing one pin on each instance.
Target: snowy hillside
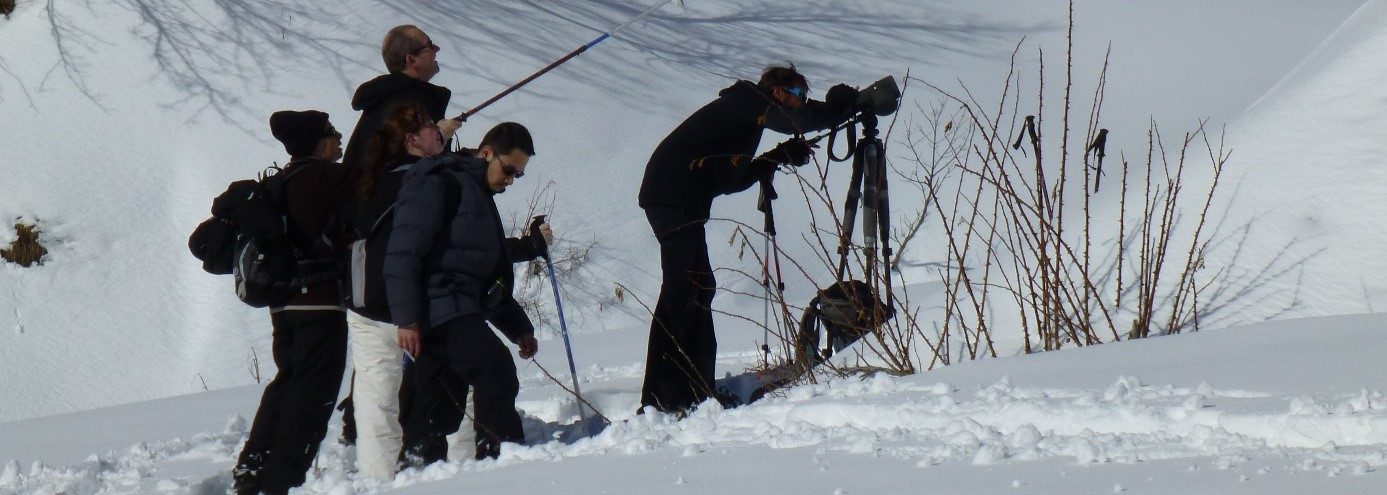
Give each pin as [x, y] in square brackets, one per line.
[116, 152]
[1310, 167]
[117, 171]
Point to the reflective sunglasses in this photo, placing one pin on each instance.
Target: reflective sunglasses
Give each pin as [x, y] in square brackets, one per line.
[798, 92]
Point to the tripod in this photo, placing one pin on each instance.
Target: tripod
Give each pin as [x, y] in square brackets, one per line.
[868, 187]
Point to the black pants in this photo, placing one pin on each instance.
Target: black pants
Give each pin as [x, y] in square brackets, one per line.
[310, 352]
[461, 354]
[683, 347]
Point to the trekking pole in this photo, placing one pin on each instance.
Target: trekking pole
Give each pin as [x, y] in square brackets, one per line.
[563, 326]
[557, 63]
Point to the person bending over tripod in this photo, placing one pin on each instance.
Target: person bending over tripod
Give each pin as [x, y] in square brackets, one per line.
[708, 155]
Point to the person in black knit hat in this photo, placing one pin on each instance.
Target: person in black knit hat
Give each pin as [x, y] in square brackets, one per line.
[310, 329]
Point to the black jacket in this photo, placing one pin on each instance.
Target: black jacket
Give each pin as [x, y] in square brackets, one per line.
[375, 99]
[438, 269]
[313, 197]
[370, 219]
[711, 152]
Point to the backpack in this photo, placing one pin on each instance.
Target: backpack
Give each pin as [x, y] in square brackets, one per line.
[366, 263]
[848, 311]
[247, 237]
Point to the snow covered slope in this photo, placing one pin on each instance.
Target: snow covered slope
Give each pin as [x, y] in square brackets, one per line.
[117, 171]
[1310, 169]
[1275, 408]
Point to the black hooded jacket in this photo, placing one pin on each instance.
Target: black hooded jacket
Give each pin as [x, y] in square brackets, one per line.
[711, 152]
[375, 99]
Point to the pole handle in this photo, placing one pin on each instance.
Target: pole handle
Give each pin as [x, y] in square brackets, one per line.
[537, 221]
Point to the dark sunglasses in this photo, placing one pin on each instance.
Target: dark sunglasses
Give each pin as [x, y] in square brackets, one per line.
[429, 46]
[798, 92]
[509, 169]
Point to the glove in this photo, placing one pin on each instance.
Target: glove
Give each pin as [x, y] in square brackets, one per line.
[447, 127]
[537, 241]
[841, 98]
[534, 244]
[794, 151]
[528, 346]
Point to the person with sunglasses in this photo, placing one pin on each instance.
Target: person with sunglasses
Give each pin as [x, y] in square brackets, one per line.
[309, 341]
[710, 154]
[411, 61]
[447, 275]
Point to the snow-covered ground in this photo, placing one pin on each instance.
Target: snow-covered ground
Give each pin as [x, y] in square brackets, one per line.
[118, 169]
[1285, 407]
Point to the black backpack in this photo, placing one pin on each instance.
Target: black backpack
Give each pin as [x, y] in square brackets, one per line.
[365, 273]
[247, 237]
[848, 311]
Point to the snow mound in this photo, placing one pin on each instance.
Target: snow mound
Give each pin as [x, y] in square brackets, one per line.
[1309, 172]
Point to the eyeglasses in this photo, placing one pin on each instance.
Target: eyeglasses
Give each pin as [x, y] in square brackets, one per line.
[429, 46]
[801, 93]
[509, 169]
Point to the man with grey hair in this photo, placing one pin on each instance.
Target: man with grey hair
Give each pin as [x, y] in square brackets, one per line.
[410, 58]
[371, 414]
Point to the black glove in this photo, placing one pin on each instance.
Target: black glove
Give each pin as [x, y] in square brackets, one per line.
[841, 98]
[534, 244]
[794, 151]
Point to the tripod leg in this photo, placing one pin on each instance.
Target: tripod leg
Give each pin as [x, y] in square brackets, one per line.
[850, 214]
[883, 211]
[870, 154]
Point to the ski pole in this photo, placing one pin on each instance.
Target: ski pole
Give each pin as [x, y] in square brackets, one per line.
[556, 63]
[563, 325]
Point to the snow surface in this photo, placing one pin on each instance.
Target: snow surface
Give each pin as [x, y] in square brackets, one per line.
[1241, 410]
[121, 313]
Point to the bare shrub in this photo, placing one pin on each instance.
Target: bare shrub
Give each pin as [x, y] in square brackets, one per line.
[1027, 226]
[25, 250]
[574, 267]
[1023, 228]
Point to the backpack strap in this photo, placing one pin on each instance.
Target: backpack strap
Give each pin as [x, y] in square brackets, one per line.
[452, 196]
[389, 210]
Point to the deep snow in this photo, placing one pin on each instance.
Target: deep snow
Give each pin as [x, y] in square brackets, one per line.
[1241, 410]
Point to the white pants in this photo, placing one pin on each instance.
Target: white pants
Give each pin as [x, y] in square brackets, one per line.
[376, 359]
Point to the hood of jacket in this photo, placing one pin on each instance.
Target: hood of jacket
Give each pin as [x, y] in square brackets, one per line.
[740, 85]
[468, 166]
[376, 91]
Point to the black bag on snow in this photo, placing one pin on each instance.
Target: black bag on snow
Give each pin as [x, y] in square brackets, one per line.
[247, 237]
[848, 311]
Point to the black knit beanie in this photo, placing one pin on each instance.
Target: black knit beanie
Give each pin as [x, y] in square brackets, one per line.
[300, 131]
